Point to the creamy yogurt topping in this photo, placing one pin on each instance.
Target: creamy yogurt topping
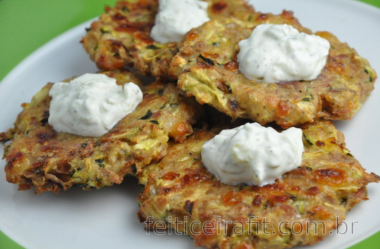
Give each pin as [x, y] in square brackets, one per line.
[275, 53]
[91, 104]
[176, 17]
[253, 154]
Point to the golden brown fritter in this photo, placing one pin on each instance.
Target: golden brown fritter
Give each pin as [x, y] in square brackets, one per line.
[299, 209]
[121, 36]
[49, 160]
[209, 70]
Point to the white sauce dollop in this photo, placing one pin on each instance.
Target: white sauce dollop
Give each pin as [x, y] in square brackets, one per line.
[253, 154]
[276, 53]
[177, 17]
[91, 104]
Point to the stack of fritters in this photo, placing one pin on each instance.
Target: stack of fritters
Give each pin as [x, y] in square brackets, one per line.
[156, 142]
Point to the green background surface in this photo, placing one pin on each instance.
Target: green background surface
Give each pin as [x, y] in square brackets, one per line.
[25, 25]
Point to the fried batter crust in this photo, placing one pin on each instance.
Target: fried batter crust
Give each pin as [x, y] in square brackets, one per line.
[53, 161]
[299, 209]
[207, 68]
[121, 36]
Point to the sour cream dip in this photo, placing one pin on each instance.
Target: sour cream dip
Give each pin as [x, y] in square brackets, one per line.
[91, 104]
[275, 53]
[177, 17]
[253, 154]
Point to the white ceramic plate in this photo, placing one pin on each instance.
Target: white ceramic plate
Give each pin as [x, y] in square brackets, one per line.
[107, 218]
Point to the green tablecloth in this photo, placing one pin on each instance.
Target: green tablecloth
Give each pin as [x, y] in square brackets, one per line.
[18, 19]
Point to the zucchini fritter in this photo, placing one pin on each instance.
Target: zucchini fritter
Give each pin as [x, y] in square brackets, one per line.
[121, 36]
[299, 209]
[207, 68]
[49, 160]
